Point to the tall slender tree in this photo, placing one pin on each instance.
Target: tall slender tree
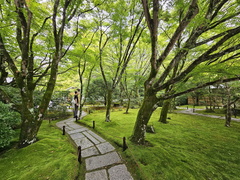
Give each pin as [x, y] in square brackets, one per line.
[121, 37]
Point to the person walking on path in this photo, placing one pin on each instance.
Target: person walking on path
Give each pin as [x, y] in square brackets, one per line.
[76, 105]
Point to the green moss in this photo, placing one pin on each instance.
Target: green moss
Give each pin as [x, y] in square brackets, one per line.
[188, 147]
[52, 157]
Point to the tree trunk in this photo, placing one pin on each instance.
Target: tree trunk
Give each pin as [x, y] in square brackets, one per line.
[109, 103]
[29, 128]
[128, 105]
[143, 117]
[228, 115]
[80, 110]
[30, 122]
[197, 99]
[164, 111]
[228, 108]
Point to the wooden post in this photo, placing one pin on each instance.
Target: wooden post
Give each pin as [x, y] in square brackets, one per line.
[80, 154]
[63, 130]
[124, 144]
[93, 126]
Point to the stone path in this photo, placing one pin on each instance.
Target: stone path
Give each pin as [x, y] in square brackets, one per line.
[190, 111]
[100, 157]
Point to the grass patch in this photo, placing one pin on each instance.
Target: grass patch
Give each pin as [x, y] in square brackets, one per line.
[52, 157]
[188, 147]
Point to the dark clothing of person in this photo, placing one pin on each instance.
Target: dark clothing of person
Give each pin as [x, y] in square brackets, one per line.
[76, 98]
[76, 105]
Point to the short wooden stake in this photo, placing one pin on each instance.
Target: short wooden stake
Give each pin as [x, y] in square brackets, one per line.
[93, 125]
[63, 130]
[124, 144]
[80, 154]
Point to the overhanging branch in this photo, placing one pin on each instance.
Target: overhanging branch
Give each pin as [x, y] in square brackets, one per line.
[199, 87]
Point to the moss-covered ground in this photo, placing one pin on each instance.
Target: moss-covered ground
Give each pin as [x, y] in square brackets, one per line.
[188, 147]
[52, 157]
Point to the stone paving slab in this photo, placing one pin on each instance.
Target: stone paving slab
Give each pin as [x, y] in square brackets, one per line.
[84, 143]
[97, 136]
[70, 123]
[77, 130]
[68, 129]
[119, 172]
[76, 136]
[75, 126]
[97, 175]
[102, 161]
[60, 124]
[94, 140]
[105, 147]
[92, 151]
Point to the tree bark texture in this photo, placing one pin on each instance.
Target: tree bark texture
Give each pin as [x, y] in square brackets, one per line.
[228, 107]
[128, 105]
[109, 105]
[143, 117]
[164, 111]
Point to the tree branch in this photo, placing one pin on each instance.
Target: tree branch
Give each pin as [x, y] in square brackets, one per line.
[192, 12]
[204, 57]
[199, 87]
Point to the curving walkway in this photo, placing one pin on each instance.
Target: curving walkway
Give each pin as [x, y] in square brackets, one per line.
[100, 157]
[190, 111]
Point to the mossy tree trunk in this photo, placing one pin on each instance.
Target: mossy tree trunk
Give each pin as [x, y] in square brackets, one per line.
[109, 105]
[144, 114]
[164, 111]
[128, 105]
[228, 114]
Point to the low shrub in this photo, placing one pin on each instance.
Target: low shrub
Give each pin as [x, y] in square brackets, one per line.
[9, 120]
[220, 111]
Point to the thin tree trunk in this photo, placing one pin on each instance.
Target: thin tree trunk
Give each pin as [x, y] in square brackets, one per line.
[80, 110]
[128, 105]
[109, 103]
[164, 111]
[228, 116]
[228, 108]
